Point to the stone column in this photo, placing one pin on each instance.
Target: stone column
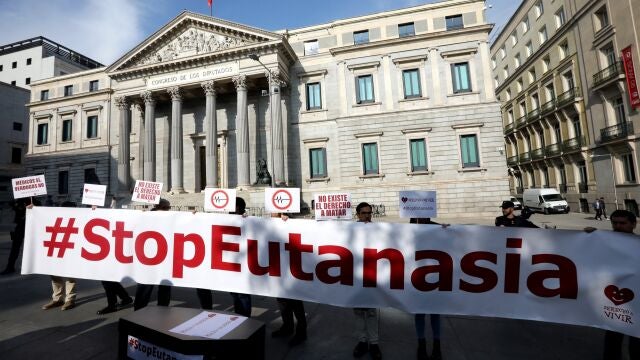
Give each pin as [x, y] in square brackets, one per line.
[123, 144]
[211, 134]
[149, 136]
[242, 131]
[276, 129]
[140, 110]
[176, 139]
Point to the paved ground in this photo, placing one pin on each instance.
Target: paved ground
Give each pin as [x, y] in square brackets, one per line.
[27, 332]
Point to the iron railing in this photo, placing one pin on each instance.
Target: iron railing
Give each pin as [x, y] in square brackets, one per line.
[616, 131]
[537, 154]
[512, 160]
[548, 106]
[573, 144]
[521, 121]
[610, 72]
[553, 150]
[533, 114]
[509, 128]
[525, 156]
[567, 96]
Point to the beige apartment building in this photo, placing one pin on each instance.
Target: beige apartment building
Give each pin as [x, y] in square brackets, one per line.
[567, 114]
[371, 105]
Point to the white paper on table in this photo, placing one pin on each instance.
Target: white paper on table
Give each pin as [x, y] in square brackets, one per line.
[210, 325]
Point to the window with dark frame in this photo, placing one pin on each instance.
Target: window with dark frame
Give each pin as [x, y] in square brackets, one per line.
[454, 22]
[370, 158]
[67, 130]
[318, 163]
[360, 37]
[14, 64]
[411, 82]
[93, 85]
[314, 100]
[16, 155]
[28, 61]
[469, 151]
[311, 47]
[13, 83]
[43, 134]
[364, 89]
[461, 77]
[63, 182]
[44, 95]
[27, 81]
[68, 90]
[407, 29]
[92, 127]
[629, 169]
[418, 152]
[90, 176]
[17, 126]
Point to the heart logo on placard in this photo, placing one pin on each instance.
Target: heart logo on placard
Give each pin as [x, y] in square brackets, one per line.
[404, 199]
[618, 296]
[86, 190]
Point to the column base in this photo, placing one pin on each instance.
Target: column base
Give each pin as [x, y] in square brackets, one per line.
[177, 191]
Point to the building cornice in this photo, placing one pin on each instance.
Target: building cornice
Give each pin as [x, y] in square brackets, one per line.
[72, 97]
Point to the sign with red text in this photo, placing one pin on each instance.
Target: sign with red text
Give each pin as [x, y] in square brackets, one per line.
[94, 194]
[219, 199]
[147, 192]
[560, 276]
[630, 74]
[418, 204]
[332, 206]
[282, 200]
[28, 186]
[138, 349]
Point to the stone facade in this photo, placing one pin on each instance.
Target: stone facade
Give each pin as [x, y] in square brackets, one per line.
[410, 106]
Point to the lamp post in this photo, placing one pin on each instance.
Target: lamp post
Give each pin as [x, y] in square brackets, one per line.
[613, 174]
[256, 57]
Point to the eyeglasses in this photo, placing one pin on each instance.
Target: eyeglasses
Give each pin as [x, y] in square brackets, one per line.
[365, 213]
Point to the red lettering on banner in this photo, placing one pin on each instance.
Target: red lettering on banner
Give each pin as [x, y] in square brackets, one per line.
[161, 252]
[512, 267]
[296, 248]
[119, 234]
[489, 277]
[444, 270]
[96, 239]
[218, 246]
[179, 262]
[273, 269]
[566, 274]
[345, 264]
[370, 267]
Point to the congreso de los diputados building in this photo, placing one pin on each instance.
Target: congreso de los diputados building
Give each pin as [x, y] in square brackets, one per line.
[371, 105]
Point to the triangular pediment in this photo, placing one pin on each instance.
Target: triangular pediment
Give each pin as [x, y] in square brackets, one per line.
[191, 35]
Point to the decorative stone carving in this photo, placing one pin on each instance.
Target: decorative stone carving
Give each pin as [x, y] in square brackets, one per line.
[192, 42]
[175, 93]
[240, 81]
[121, 102]
[147, 97]
[209, 87]
[276, 78]
[264, 178]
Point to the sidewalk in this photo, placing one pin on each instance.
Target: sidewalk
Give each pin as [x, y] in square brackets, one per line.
[31, 333]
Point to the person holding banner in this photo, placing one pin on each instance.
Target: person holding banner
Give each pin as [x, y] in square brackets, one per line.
[17, 235]
[509, 218]
[420, 318]
[367, 319]
[241, 302]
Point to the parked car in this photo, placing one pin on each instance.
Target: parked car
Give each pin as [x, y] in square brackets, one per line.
[545, 200]
[517, 205]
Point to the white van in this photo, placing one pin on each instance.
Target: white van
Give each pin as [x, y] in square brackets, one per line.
[544, 200]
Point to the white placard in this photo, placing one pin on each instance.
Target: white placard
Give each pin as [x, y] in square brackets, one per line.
[332, 206]
[147, 192]
[418, 204]
[219, 199]
[282, 200]
[211, 325]
[28, 186]
[138, 349]
[94, 194]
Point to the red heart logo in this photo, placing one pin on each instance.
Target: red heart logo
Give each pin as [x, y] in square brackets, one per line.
[404, 199]
[618, 296]
[86, 190]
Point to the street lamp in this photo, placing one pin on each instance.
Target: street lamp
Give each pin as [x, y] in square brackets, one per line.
[256, 57]
[613, 174]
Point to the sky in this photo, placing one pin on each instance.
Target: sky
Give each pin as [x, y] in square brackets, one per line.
[104, 30]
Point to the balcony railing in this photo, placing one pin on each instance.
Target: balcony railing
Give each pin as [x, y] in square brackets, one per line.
[548, 106]
[512, 160]
[533, 114]
[573, 144]
[608, 73]
[583, 188]
[537, 154]
[509, 128]
[617, 131]
[553, 150]
[562, 188]
[525, 157]
[567, 96]
[521, 121]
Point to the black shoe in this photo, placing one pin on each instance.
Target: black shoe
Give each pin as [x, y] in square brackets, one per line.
[282, 332]
[374, 351]
[421, 353]
[125, 302]
[361, 349]
[8, 271]
[107, 310]
[298, 339]
[436, 355]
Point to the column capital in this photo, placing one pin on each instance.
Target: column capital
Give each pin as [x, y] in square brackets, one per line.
[147, 97]
[175, 92]
[209, 87]
[121, 102]
[139, 106]
[240, 81]
[276, 77]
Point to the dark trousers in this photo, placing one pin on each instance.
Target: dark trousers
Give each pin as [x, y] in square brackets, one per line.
[289, 308]
[143, 295]
[114, 290]
[206, 298]
[241, 304]
[598, 214]
[613, 346]
[16, 244]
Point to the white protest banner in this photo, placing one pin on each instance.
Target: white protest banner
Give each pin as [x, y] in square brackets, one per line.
[138, 349]
[94, 194]
[332, 206]
[28, 186]
[558, 276]
[282, 200]
[209, 324]
[219, 199]
[418, 204]
[147, 192]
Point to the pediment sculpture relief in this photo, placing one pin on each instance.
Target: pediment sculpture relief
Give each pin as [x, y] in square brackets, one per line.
[192, 42]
